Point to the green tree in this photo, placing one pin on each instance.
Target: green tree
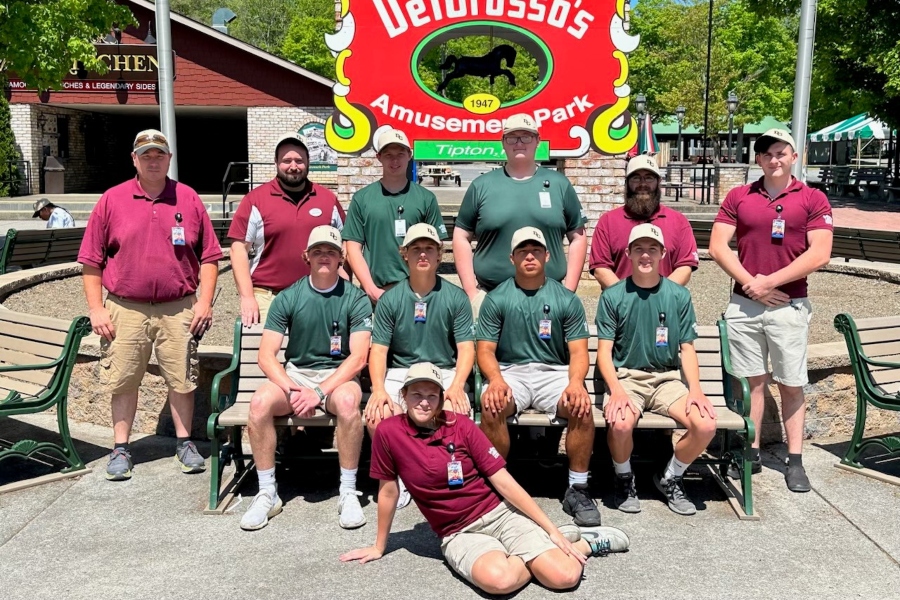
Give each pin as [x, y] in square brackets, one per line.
[752, 54]
[40, 39]
[304, 44]
[8, 152]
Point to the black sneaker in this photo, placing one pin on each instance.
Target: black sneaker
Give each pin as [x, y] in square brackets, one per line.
[625, 495]
[735, 473]
[796, 479]
[578, 504]
[673, 490]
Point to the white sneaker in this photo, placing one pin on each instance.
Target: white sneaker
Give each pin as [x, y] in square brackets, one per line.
[263, 508]
[404, 499]
[350, 510]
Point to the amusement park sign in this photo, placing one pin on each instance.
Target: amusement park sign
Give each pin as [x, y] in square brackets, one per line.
[580, 101]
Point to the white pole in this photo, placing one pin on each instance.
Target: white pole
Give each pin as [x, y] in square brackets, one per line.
[801, 82]
[165, 81]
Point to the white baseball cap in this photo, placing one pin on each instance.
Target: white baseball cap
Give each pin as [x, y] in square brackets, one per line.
[420, 231]
[527, 234]
[392, 136]
[324, 234]
[423, 372]
[646, 230]
[642, 162]
[520, 122]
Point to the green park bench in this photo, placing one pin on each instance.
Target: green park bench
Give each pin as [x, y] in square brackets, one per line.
[27, 249]
[37, 355]
[874, 348]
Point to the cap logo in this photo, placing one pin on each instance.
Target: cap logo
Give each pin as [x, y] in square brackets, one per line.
[333, 236]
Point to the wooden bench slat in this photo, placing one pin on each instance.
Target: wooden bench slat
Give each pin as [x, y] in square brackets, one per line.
[872, 336]
[877, 323]
[49, 351]
[24, 387]
[725, 420]
[32, 332]
[9, 316]
[881, 349]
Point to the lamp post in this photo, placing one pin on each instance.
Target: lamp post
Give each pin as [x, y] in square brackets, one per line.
[640, 102]
[679, 114]
[732, 106]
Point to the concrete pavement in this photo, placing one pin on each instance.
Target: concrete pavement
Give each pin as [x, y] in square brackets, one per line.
[147, 538]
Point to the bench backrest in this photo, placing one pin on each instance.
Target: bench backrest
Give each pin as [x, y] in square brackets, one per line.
[879, 246]
[871, 174]
[39, 247]
[875, 338]
[702, 233]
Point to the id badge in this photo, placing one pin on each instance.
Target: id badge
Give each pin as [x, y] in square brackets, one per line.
[421, 310]
[454, 473]
[400, 227]
[178, 236]
[544, 329]
[335, 345]
[662, 337]
[778, 229]
[545, 199]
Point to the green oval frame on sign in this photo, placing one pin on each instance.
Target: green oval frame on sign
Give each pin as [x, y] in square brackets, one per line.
[415, 60]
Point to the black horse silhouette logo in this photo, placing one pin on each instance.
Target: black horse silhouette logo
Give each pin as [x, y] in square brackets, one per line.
[488, 65]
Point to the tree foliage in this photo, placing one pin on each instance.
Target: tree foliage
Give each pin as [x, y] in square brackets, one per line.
[40, 39]
[752, 54]
[8, 152]
[304, 44]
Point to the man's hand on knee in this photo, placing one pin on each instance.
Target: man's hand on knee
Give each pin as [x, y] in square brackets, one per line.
[618, 406]
[304, 402]
[379, 407]
[576, 400]
[497, 396]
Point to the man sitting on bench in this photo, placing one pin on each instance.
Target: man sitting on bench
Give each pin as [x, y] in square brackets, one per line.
[423, 318]
[532, 340]
[329, 324]
[642, 322]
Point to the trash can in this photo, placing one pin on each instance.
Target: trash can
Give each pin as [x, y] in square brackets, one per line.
[54, 176]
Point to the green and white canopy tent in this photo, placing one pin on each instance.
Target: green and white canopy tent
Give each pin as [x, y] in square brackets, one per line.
[862, 128]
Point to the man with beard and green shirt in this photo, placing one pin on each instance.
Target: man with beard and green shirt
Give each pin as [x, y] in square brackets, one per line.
[380, 214]
[532, 349]
[498, 203]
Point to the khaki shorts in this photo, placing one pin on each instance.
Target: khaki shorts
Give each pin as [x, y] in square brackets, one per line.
[758, 333]
[393, 382]
[503, 529]
[477, 302]
[655, 392]
[141, 327]
[536, 385]
[310, 378]
[264, 298]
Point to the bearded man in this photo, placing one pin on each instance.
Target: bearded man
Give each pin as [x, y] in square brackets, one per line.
[609, 245]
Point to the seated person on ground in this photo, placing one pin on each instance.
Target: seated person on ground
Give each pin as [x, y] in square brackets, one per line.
[328, 323]
[422, 318]
[642, 323]
[532, 350]
[492, 532]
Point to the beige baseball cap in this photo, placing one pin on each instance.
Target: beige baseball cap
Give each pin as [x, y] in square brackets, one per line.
[527, 234]
[520, 122]
[419, 231]
[392, 136]
[646, 230]
[423, 372]
[642, 162]
[324, 234]
[778, 134]
[150, 139]
[293, 138]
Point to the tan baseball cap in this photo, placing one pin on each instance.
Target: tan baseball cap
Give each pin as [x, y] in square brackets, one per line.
[423, 372]
[392, 136]
[520, 122]
[527, 234]
[646, 230]
[778, 134]
[642, 162]
[420, 231]
[150, 139]
[324, 234]
[293, 138]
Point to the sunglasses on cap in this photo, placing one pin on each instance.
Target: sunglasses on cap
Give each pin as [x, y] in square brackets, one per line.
[145, 139]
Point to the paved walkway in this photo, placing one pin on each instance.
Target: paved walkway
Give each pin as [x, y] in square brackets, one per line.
[147, 538]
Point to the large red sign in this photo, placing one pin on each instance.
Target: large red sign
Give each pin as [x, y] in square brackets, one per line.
[581, 101]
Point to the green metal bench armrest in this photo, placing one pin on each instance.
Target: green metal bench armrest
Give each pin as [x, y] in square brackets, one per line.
[11, 398]
[214, 400]
[50, 365]
[877, 363]
[739, 405]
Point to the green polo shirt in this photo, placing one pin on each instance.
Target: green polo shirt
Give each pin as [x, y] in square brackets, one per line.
[511, 317]
[410, 340]
[371, 222]
[630, 315]
[309, 316]
[496, 205]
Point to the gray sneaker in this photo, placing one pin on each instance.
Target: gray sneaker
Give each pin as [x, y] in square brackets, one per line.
[602, 540]
[263, 508]
[673, 490]
[188, 457]
[119, 466]
[625, 494]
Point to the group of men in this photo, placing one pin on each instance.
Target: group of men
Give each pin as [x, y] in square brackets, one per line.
[294, 251]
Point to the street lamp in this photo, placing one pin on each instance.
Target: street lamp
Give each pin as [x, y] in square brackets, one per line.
[679, 114]
[732, 106]
[640, 102]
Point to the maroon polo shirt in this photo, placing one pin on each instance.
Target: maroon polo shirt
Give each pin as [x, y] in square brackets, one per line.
[129, 237]
[279, 228]
[750, 209]
[399, 449]
[609, 245]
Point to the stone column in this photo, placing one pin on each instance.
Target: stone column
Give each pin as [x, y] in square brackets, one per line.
[355, 173]
[728, 177]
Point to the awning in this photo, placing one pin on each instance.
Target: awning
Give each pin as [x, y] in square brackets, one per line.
[859, 127]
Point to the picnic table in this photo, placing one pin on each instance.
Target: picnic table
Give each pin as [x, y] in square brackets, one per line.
[439, 173]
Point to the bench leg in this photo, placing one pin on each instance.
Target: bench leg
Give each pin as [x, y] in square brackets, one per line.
[69, 451]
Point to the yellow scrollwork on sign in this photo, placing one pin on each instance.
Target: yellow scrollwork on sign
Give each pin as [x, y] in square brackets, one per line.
[608, 138]
[348, 129]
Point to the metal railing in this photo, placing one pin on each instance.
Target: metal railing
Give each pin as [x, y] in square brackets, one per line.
[243, 174]
[18, 176]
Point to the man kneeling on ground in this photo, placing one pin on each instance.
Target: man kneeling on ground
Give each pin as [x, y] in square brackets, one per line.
[642, 322]
[329, 325]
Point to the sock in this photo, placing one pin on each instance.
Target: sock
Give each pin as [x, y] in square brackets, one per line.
[754, 454]
[179, 442]
[622, 468]
[348, 480]
[267, 480]
[577, 478]
[401, 485]
[675, 468]
[124, 446]
[795, 460]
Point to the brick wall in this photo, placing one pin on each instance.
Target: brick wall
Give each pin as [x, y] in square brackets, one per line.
[28, 138]
[728, 177]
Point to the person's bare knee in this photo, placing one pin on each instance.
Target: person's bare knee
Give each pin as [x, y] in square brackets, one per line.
[497, 573]
[345, 404]
[556, 571]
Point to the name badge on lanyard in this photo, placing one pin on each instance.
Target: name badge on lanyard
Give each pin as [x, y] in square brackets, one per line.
[454, 468]
[400, 223]
[335, 340]
[420, 314]
[545, 199]
[778, 225]
[545, 326]
[662, 332]
[178, 231]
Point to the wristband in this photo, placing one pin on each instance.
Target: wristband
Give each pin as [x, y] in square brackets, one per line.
[319, 393]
